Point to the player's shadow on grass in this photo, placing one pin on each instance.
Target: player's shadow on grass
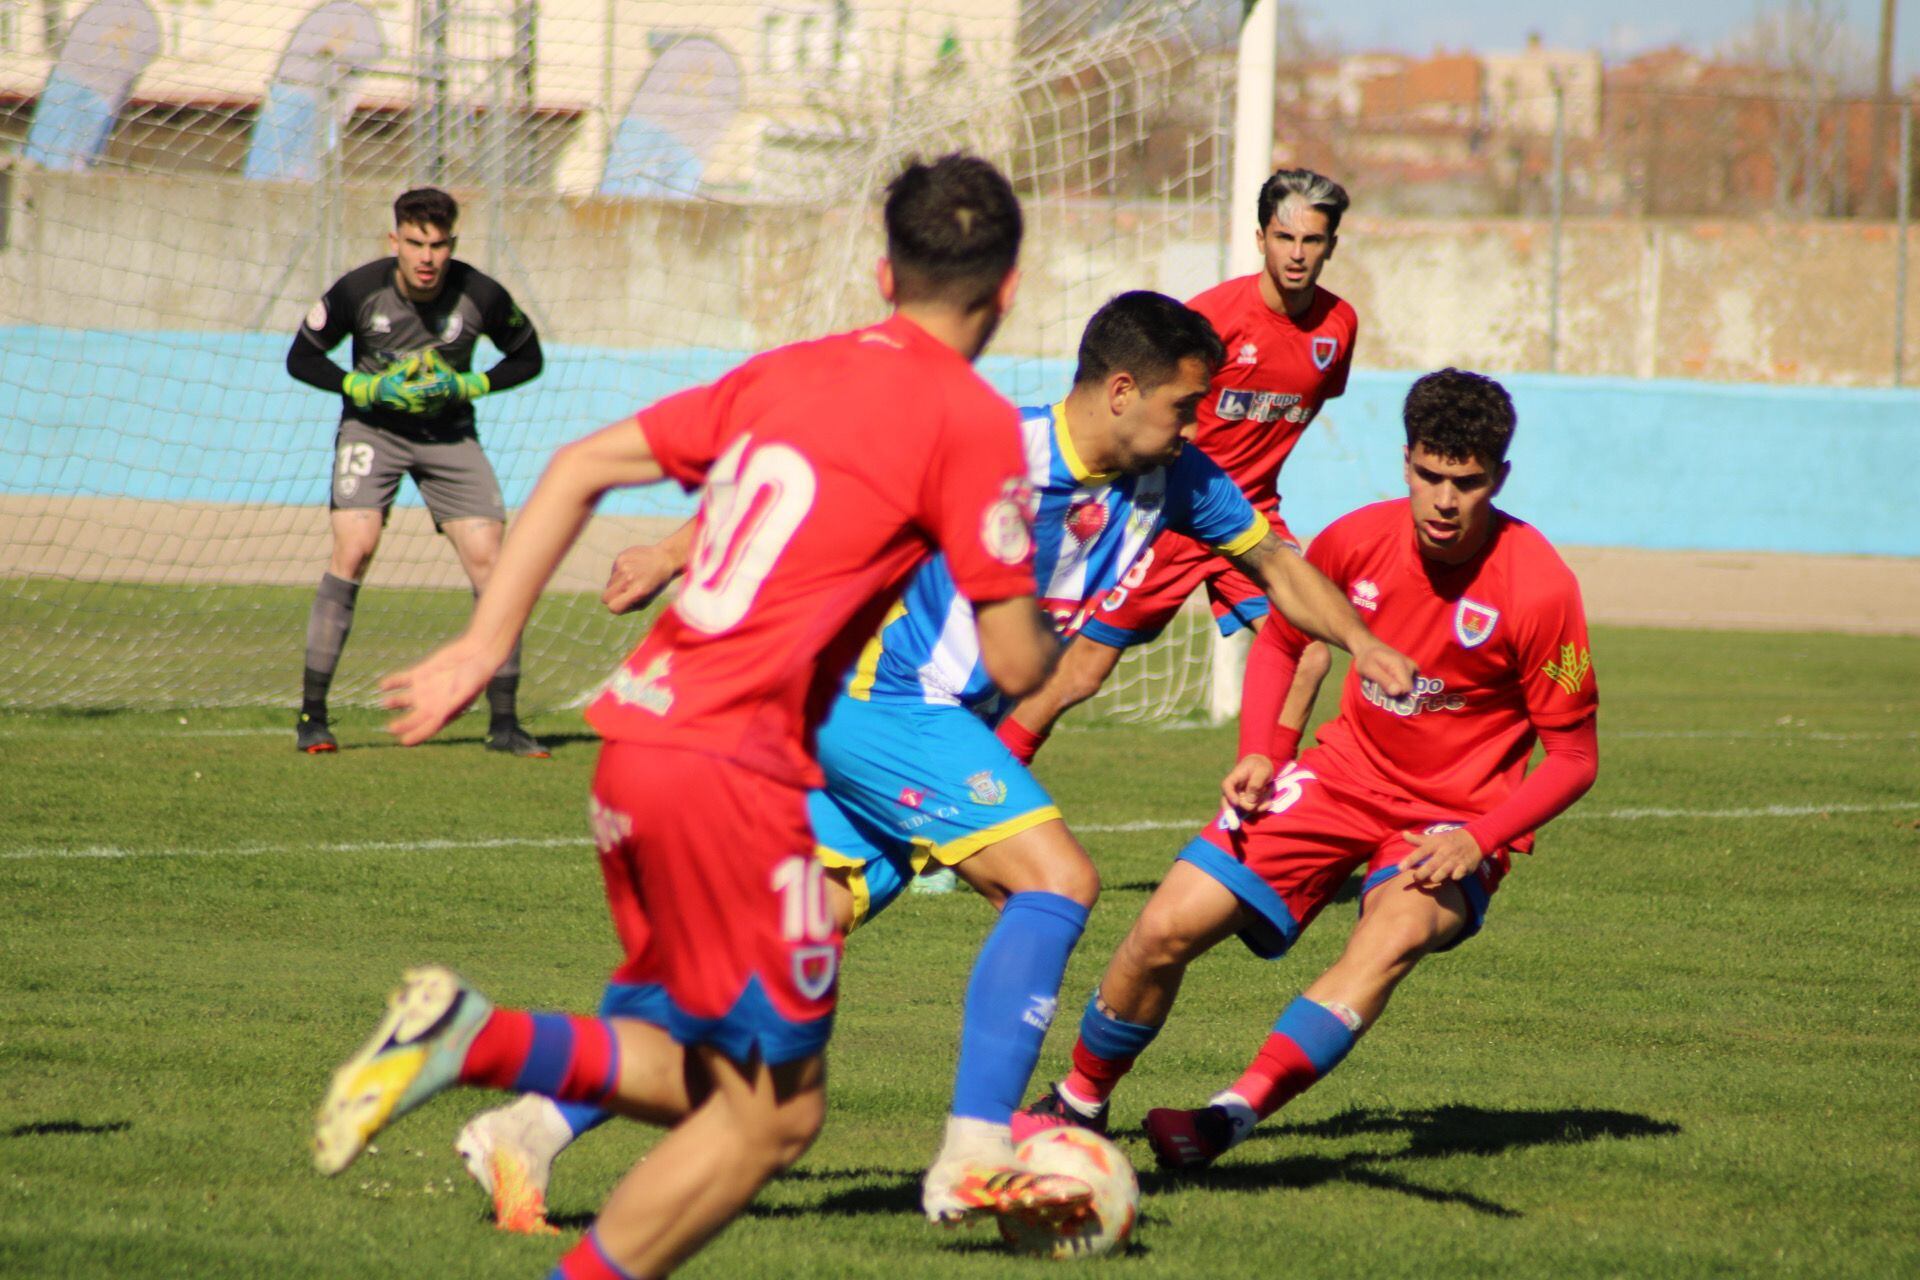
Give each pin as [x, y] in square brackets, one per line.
[67, 1128]
[1431, 1134]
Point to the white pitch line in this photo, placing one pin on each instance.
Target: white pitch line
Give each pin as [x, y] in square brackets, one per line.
[111, 852]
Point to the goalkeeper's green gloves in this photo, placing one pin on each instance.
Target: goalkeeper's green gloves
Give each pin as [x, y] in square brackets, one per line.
[464, 387]
[400, 387]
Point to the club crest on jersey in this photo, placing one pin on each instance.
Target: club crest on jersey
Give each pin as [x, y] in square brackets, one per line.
[1365, 595]
[1086, 517]
[380, 324]
[814, 969]
[1473, 623]
[985, 788]
[1324, 350]
[454, 327]
[1006, 527]
[1249, 354]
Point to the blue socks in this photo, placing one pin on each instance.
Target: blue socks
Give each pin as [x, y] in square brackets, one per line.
[1011, 1001]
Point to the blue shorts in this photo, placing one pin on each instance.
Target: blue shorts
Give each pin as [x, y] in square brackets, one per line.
[909, 783]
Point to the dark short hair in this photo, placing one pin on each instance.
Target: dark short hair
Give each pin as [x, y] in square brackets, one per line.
[1459, 416]
[1318, 190]
[426, 207]
[953, 231]
[1145, 334]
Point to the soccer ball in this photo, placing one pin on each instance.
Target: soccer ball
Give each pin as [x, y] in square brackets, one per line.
[1083, 1154]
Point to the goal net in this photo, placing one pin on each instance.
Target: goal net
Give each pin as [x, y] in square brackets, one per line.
[664, 186]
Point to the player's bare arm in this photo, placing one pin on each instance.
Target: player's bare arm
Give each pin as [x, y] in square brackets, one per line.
[435, 691]
[1017, 644]
[1308, 599]
[642, 572]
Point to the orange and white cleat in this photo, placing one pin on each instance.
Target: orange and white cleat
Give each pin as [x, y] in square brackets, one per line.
[509, 1151]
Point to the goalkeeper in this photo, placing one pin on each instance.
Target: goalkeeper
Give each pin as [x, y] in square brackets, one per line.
[407, 410]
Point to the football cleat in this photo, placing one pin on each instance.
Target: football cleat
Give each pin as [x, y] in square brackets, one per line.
[509, 1151]
[1189, 1139]
[311, 735]
[1051, 1111]
[515, 741]
[936, 880]
[956, 1196]
[432, 1019]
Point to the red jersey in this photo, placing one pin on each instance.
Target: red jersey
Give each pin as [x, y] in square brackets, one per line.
[1277, 374]
[1501, 643]
[832, 469]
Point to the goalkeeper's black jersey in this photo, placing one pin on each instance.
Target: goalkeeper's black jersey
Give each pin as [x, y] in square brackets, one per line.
[387, 327]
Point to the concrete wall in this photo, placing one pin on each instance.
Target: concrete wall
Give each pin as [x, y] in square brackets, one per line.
[1797, 303]
[212, 418]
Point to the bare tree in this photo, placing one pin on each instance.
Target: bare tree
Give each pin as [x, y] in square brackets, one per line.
[1806, 58]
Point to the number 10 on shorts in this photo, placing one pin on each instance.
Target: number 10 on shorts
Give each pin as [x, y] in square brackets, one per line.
[807, 922]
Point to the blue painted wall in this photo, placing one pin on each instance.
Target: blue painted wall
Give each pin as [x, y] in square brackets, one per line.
[1606, 462]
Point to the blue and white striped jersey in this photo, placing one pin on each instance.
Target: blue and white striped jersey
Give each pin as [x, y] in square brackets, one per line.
[1088, 531]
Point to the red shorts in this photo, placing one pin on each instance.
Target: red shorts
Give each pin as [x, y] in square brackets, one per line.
[1169, 571]
[1288, 864]
[718, 900]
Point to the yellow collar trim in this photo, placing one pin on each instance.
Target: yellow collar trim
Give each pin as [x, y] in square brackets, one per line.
[1078, 469]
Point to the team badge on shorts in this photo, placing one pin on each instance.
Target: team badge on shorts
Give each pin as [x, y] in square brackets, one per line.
[814, 969]
[1473, 623]
[1324, 350]
[985, 788]
[346, 486]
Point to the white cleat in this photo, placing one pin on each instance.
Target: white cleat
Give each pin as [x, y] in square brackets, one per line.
[509, 1151]
[975, 1177]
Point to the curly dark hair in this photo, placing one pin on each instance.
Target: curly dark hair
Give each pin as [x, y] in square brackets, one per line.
[953, 230]
[426, 207]
[1146, 334]
[1459, 415]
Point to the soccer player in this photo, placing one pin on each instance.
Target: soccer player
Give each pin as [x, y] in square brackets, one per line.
[1289, 346]
[407, 410]
[831, 470]
[914, 773]
[1428, 791]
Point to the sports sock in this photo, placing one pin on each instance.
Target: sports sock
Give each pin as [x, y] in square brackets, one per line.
[566, 1058]
[1022, 741]
[1011, 999]
[582, 1116]
[588, 1261]
[1308, 1040]
[503, 692]
[328, 623]
[1104, 1052]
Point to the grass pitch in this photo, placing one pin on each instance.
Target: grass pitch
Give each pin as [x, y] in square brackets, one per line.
[1685, 1044]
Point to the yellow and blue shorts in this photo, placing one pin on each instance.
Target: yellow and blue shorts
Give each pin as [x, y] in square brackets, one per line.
[909, 783]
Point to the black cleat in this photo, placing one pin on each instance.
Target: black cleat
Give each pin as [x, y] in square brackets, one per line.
[515, 741]
[1051, 1111]
[312, 736]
